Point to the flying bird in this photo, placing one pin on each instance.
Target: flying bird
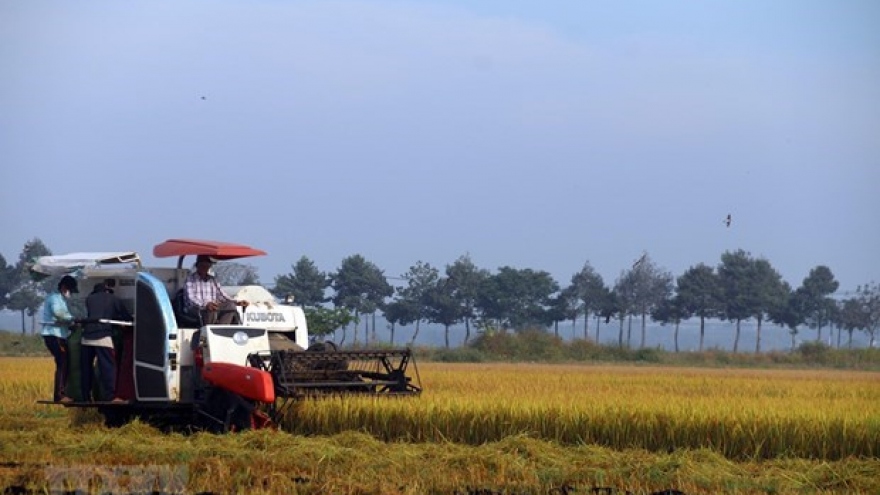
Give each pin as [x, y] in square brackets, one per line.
[727, 220]
[204, 97]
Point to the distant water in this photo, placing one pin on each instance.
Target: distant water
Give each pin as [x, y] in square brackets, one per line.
[719, 334]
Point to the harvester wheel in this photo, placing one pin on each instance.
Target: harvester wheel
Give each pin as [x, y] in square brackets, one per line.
[230, 411]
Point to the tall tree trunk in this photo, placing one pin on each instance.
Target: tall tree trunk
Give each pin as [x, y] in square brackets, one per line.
[597, 329]
[467, 330]
[849, 344]
[374, 327]
[586, 322]
[573, 328]
[758, 337]
[629, 331]
[838, 336]
[793, 332]
[819, 332]
[677, 323]
[366, 332]
[642, 346]
[416, 334]
[555, 329]
[447, 336]
[736, 339]
[620, 334]
[357, 321]
[392, 333]
[702, 331]
[23, 329]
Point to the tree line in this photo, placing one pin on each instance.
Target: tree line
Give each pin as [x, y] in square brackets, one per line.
[740, 287]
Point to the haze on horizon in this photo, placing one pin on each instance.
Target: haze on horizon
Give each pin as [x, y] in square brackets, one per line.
[526, 134]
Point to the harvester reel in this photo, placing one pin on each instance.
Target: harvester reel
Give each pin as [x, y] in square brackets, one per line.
[324, 370]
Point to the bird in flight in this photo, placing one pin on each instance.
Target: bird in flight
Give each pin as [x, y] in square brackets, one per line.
[727, 220]
[204, 97]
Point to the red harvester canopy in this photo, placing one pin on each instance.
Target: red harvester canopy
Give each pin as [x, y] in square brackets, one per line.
[215, 249]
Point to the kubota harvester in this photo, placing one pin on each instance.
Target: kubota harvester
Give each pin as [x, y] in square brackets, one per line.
[174, 371]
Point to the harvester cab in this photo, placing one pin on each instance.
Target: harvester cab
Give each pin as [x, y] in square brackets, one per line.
[175, 371]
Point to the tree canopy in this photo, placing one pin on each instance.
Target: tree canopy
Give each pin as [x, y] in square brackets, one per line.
[27, 293]
[360, 286]
[306, 283]
[700, 294]
[517, 298]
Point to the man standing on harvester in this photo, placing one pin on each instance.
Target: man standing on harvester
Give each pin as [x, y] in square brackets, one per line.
[56, 319]
[97, 342]
[205, 298]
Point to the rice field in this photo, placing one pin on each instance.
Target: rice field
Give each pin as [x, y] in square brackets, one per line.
[741, 414]
[488, 429]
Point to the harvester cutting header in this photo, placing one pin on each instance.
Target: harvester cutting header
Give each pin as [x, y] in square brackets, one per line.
[180, 366]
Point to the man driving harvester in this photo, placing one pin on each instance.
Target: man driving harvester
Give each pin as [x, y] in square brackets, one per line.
[205, 298]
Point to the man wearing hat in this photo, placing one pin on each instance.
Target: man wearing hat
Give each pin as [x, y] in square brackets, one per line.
[56, 320]
[205, 297]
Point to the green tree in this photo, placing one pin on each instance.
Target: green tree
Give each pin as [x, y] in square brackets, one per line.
[818, 287]
[670, 310]
[797, 310]
[624, 302]
[868, 297]
[324, 321]
[7, 281]
[589, 288]
[700, 295]
[792, 313]
[399, 312]
[833, 312]
[768, 292]
[465, 280]
[564, 306]
[517, 298]
[421, 280]
[28, 294]
[361, 287]
[736, 282]
[608, 307]
[306, 283]
[651, 285]
[852, 317]
[442, 307]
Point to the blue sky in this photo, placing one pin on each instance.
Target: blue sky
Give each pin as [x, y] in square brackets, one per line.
[532, 134]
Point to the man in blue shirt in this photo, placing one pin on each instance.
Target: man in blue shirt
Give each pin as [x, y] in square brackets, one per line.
[56, 320]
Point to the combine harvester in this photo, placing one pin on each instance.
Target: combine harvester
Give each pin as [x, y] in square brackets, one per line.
[175, 372]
